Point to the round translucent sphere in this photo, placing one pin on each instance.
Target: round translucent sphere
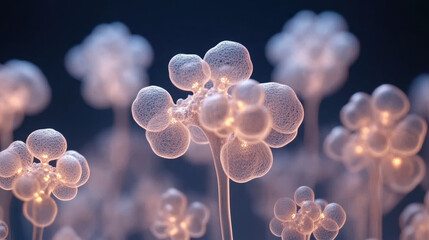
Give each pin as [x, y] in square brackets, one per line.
[303, 194]
[285, 209]
[9, 163]
[46, 144]
[69, 169]
[197, 216]
[390, 103]
[243, 161]
[254, 123]
[214, 111]
[335, 212]
[171, 142]
[173, 204]
[150, 108]
[41, 211]
[229, 63]
[285, 108]
[25, 186]
[188, 72]
[249, 92]
[276, 227]
[85, 171]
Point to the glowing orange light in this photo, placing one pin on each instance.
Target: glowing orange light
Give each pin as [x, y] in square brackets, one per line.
[397, 162]
[229, 121]
[358, 149]
[244, 144]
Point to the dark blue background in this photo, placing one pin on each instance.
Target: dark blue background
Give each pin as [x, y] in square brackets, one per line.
[394, 37]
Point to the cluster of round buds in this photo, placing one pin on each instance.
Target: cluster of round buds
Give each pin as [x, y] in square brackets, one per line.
[23, 90]
[249, 117]
[378, 129]
[177, 221]
[315, 217]
[112, 64]
[414, 221]
[313, 53]
[33, 182]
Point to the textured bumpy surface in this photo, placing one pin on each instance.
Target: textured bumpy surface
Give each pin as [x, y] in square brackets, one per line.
[377, 128]
[246, 116]
[313, 53]
[112, 64]
[315, 217]
[34, 182]
[177, 221]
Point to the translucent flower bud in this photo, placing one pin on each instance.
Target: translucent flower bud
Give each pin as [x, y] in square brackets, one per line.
[25, 186]
[285, 209]
[9, 164]
[253, 124]
[197, 217]
[335, 142]
[69, 169]
[171, 142]
[335, 212]
[285, 108]
[173, 204]
[214, 112]
[358, 112]
[46, 144]
[243, 161]
[408, 136]
[41, 211]
[276, 227]
[403, 174]
[390, 103]
[150, 108]
[303, 194]
[229, 63]
[188, 72]
[249, 92]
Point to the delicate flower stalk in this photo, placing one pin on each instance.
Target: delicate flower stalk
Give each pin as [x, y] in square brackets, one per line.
[240, 118]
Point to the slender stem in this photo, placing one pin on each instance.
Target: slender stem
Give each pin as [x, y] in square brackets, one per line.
[223, 188]
[311, 124]
[375, 204]
[37, 233]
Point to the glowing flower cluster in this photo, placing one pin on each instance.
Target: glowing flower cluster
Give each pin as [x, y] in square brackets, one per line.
[313, 53]
[23, 90]
[414, 221]
[315, 217]
[112, 64]
[33, 182]
[248, 117]
[176, 220]
[378, 129]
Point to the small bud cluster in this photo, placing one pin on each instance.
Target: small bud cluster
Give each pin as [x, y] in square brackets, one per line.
[177, 221]
[112, 64]
[379, 130]
[249, 117]
[33, 182]
[315, 217]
